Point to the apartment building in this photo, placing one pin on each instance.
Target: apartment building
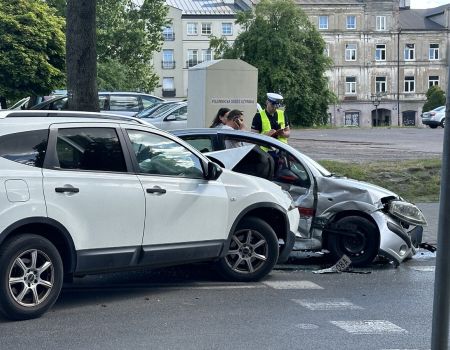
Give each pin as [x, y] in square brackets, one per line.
[186, 39]
[385, 54]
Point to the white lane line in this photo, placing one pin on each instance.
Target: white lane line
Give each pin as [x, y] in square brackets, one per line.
[423, 268]
[292, 285]
[327, 304]
[369, 327]
[307, 326]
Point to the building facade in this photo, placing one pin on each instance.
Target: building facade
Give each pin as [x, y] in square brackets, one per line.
[385, 54]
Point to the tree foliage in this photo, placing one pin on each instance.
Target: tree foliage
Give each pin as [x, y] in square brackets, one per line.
[279, 40]
[435, 98]
[32, 47]
[128, 33]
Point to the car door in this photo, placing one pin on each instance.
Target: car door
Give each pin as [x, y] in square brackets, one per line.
[186, 215]
[89, 190]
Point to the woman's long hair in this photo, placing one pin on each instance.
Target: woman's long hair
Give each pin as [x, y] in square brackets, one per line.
[221, 113]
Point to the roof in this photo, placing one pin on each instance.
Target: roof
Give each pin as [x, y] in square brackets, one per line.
[208, 7]
[417, 20]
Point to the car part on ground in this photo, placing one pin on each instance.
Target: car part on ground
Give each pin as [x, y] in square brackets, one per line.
[337, 214]
[64, 211]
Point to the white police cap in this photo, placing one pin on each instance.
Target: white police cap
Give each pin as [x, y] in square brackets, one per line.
[274, 98]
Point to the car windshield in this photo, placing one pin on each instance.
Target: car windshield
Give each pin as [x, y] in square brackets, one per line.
[313, 163]
[155, 110]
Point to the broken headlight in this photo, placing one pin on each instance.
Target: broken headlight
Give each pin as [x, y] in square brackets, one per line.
[407, 212]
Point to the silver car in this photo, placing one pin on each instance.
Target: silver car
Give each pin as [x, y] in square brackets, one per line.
[434, 118]
[337, 214]
[169, 117]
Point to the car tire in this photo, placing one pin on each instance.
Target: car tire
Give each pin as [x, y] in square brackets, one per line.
[433, 126]
[252, 252]
[361, 249]
[31, 276]
[443, 123]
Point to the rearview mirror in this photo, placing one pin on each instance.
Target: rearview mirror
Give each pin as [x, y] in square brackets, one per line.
[214, 171]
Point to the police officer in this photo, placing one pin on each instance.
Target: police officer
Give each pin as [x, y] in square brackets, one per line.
[272, 121]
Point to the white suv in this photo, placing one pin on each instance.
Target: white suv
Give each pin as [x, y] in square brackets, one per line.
[84, 193]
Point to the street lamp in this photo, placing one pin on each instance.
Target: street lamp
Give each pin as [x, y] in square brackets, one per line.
[376, 99]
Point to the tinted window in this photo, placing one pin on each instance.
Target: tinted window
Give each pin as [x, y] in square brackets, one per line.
[25, 147]
[159, 155]
[123, 103]
[96, 149]
[57, 105]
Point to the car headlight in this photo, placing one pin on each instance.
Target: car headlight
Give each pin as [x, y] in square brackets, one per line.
[292, 205]
[407, 212]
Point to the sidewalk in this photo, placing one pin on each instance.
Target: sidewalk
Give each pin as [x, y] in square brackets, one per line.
[431, 212]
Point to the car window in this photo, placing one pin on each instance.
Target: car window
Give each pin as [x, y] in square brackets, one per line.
[123, 103]
[286, 167]
[180, 113]
[95, 149]
[159, 155]
[59, 104]
[103, 102]
[158, 111]
[25, 147]
[202, 143]
[148, 101]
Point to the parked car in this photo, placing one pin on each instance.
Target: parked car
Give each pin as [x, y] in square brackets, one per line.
[123, 103]
[158, 107]
[84, 193]
[434, 118]
[338, 214]
[170, 117]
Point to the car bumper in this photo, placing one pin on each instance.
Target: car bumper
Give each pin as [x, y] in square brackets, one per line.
[396, 243]
[431, 122]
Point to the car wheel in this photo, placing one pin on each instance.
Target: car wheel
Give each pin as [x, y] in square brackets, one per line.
[433, 126]
[443, 123]
[31, 275]
[252, 253]
[361, 247]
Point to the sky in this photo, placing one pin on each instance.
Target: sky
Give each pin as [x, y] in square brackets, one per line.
[423, 4]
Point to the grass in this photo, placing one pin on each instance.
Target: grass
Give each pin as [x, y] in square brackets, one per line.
[414, 180]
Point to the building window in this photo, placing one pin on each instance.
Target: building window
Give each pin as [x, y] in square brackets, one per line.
[380, 52]
[168, 61]
[206, 29]
[381, 22]
[323, 22]
[351, 22]
[351, 119]
[434, 52]
[409, 52]
[206, 55]
[380, 84]
[168, 87]
[433, 80]
[350, 85]
[350, 52]
[409, 84]
[192, 58]
[168, 33]
[227, 28]
[191, 29]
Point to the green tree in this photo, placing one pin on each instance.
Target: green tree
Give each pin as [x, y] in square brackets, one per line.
[128, 33]
[435, 98]
[279, 40]
[32, 48]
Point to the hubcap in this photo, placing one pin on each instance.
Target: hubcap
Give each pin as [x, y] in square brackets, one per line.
[355, 245]
[31, 278]
[248, 251]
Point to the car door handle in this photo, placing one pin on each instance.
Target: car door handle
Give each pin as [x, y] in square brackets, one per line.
[156, 190]
[67, 190]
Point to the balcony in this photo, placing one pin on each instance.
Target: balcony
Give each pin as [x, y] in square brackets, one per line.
[169, 93]
[168, 64]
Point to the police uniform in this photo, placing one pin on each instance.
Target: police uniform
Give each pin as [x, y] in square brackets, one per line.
[263, 121]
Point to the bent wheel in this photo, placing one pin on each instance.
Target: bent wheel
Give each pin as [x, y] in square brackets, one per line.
[31, 275]
[252, 252]
[362, 247]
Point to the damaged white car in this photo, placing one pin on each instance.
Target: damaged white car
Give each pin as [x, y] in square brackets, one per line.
[337, 214]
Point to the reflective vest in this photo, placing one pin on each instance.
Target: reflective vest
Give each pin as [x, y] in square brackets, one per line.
[265, 123]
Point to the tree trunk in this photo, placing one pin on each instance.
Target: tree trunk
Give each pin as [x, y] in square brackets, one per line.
[3, 102]
[81, 55]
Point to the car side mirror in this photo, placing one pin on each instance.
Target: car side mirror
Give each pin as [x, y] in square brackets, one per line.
[214, 171]
[170, 118]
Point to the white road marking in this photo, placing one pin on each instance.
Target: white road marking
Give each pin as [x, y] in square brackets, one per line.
[328, 304]
[369, 327]
[423, 268]
[292, 285]
[306, 326]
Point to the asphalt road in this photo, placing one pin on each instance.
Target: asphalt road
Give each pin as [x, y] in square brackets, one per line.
[365, 145]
